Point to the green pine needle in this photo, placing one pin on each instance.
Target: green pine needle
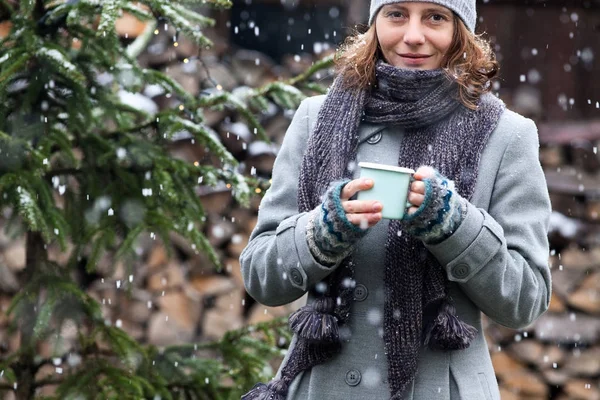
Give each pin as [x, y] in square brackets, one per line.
[175, 124]
[31, 213]
[44, 315]
[129, 241]
[173, 14]
[26, 7]
[192, 16]
[14, 63]
[215, 3]
[61, 63]
[137, 12]
[98, 248]
[169, 84]
[108, 17]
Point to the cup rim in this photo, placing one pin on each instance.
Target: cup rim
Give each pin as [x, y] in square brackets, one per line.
[386, 167]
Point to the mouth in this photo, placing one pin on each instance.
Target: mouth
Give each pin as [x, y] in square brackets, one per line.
[415, 56]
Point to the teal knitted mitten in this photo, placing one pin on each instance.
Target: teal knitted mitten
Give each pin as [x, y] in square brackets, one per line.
[329, 233]
[441, 213]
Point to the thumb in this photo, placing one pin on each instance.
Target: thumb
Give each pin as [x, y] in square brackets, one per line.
[424, 172]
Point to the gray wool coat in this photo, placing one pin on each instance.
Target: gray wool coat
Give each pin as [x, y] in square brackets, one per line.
[497, 263]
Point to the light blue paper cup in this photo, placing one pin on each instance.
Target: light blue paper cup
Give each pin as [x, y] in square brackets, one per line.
[390, 187]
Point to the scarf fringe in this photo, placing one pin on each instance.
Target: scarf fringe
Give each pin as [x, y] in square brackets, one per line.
[310, 353]
[275, 390]
[315, 322]
[447, 332]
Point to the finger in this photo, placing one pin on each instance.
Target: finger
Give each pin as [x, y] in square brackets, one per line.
[417, 187]
[364, 220]
[412, 210]
[354, 186]
[424, 172]
[361, 206]
[416, 199]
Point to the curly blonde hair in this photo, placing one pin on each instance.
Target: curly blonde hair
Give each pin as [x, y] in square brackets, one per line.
[469, 61]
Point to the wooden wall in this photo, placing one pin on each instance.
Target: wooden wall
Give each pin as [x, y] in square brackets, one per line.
[549, 50]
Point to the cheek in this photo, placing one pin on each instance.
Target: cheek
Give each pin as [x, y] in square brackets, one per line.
[387, 46]
[386, 37]
[384, 45]
[443, 43]
[447, 45]
[381, 40]
[447, 39]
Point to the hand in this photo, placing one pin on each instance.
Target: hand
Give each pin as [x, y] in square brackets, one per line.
[438, 209]
[416, 194]
[361, 213]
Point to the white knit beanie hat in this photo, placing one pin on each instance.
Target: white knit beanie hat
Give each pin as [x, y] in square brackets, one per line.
[465, 9]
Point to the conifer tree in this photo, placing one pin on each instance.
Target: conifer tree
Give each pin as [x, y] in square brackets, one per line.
[75, 160]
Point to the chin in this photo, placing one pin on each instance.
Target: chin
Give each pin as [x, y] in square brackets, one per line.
[416, 67]
[421, 67]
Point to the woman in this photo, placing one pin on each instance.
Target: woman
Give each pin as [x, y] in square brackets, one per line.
[394, 307]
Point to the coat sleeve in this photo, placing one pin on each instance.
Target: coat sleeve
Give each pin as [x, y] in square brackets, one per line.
[499, 258]
[277, 265]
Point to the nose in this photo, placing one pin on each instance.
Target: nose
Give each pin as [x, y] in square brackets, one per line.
[414, 33]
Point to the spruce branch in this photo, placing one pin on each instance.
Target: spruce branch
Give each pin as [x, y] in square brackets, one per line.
[284, 93]
[90, 149]
[182, 22]
[9, 70]
[108, 17]
[169, 84]
[225, 98]
[232, 336]
[192, 16]
[8, 6]
[326, 62]
[214, 3]
[138, 12]
[60, 61]
[141, 42]
[26, 7]
[314, 87]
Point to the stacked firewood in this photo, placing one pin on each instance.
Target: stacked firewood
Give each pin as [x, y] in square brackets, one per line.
[558, 356]
[181, 297]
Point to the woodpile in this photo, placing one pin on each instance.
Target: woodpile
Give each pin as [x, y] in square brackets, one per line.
[181, 298]
[558, 357]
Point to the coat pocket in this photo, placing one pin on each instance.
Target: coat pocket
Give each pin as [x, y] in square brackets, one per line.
[485, 387]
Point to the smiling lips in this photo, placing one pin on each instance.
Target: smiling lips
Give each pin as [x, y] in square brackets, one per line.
[412, 59]
[415, 56]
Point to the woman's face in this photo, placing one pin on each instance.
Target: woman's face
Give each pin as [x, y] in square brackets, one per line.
[414, 35]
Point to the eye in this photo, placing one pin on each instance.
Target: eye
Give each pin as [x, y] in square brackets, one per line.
[438, 17]
[394, 14]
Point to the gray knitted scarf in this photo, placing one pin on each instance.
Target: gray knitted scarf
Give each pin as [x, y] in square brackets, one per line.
[438, 131]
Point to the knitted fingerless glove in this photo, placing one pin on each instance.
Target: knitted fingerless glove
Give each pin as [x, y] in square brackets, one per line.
[441, 213]
[329, 233]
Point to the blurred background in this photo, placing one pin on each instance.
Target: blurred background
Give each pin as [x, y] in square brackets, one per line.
[550, 71]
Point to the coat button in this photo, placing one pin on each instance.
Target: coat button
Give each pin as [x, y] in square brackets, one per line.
[296, 276]
[353, 377]
[376, 138]
[360, 292]
[460, 271]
